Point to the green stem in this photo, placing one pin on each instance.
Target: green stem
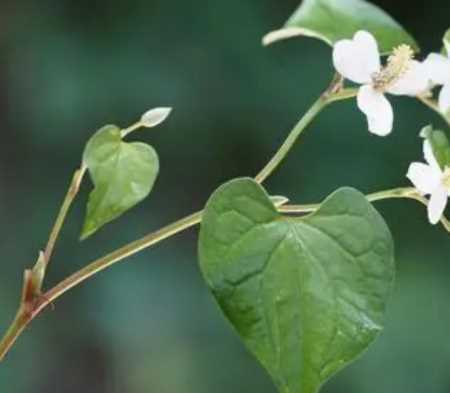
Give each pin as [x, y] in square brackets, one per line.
[65, 207]
[23, 317]
[282, 152]
[395, 193]
[25, 312]
[118, 255]
[131, 128]
[16, 328]
[325, 99]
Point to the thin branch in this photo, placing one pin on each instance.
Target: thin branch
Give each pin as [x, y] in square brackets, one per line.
[65, 207]
[33, 307]
[119, 255]
[395, 193]
[334, 93]
[283, 151]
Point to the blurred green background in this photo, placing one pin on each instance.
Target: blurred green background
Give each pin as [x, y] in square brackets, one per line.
[149, 325]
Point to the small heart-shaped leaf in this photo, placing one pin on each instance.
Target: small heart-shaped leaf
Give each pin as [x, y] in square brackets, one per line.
[334, 20]
[123, 175]
[307, 295]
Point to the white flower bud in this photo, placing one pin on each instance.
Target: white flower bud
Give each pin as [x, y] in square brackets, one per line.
[279, 200]
[155, 116]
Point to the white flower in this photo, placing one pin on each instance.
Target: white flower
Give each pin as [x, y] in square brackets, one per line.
[154, 117]
[430, 179]
[359, 61]
[438, 67]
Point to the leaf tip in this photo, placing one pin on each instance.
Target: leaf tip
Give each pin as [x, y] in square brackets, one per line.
[88, 229]
[281, 34]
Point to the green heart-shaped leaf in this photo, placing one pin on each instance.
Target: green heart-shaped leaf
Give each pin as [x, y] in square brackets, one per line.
[307, 295]
[334, 20]
[123, 175]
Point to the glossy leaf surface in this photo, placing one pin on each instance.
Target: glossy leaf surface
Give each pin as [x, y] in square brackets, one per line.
[306, 295]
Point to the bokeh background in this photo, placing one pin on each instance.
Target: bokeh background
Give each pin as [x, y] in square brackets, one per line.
[149, 324]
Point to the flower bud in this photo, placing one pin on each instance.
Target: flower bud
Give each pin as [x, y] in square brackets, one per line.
[154, 117]
[279, 200]
[38, 273]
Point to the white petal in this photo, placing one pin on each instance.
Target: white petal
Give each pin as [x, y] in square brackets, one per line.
[430, 158]
[378, 110]
[424, 177]
[438, 68]
[437, 204]
[415, 82]
[357, 59]
[154, 117]
[444, 99]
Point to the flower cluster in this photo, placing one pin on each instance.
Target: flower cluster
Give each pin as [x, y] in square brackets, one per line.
[358, 60]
